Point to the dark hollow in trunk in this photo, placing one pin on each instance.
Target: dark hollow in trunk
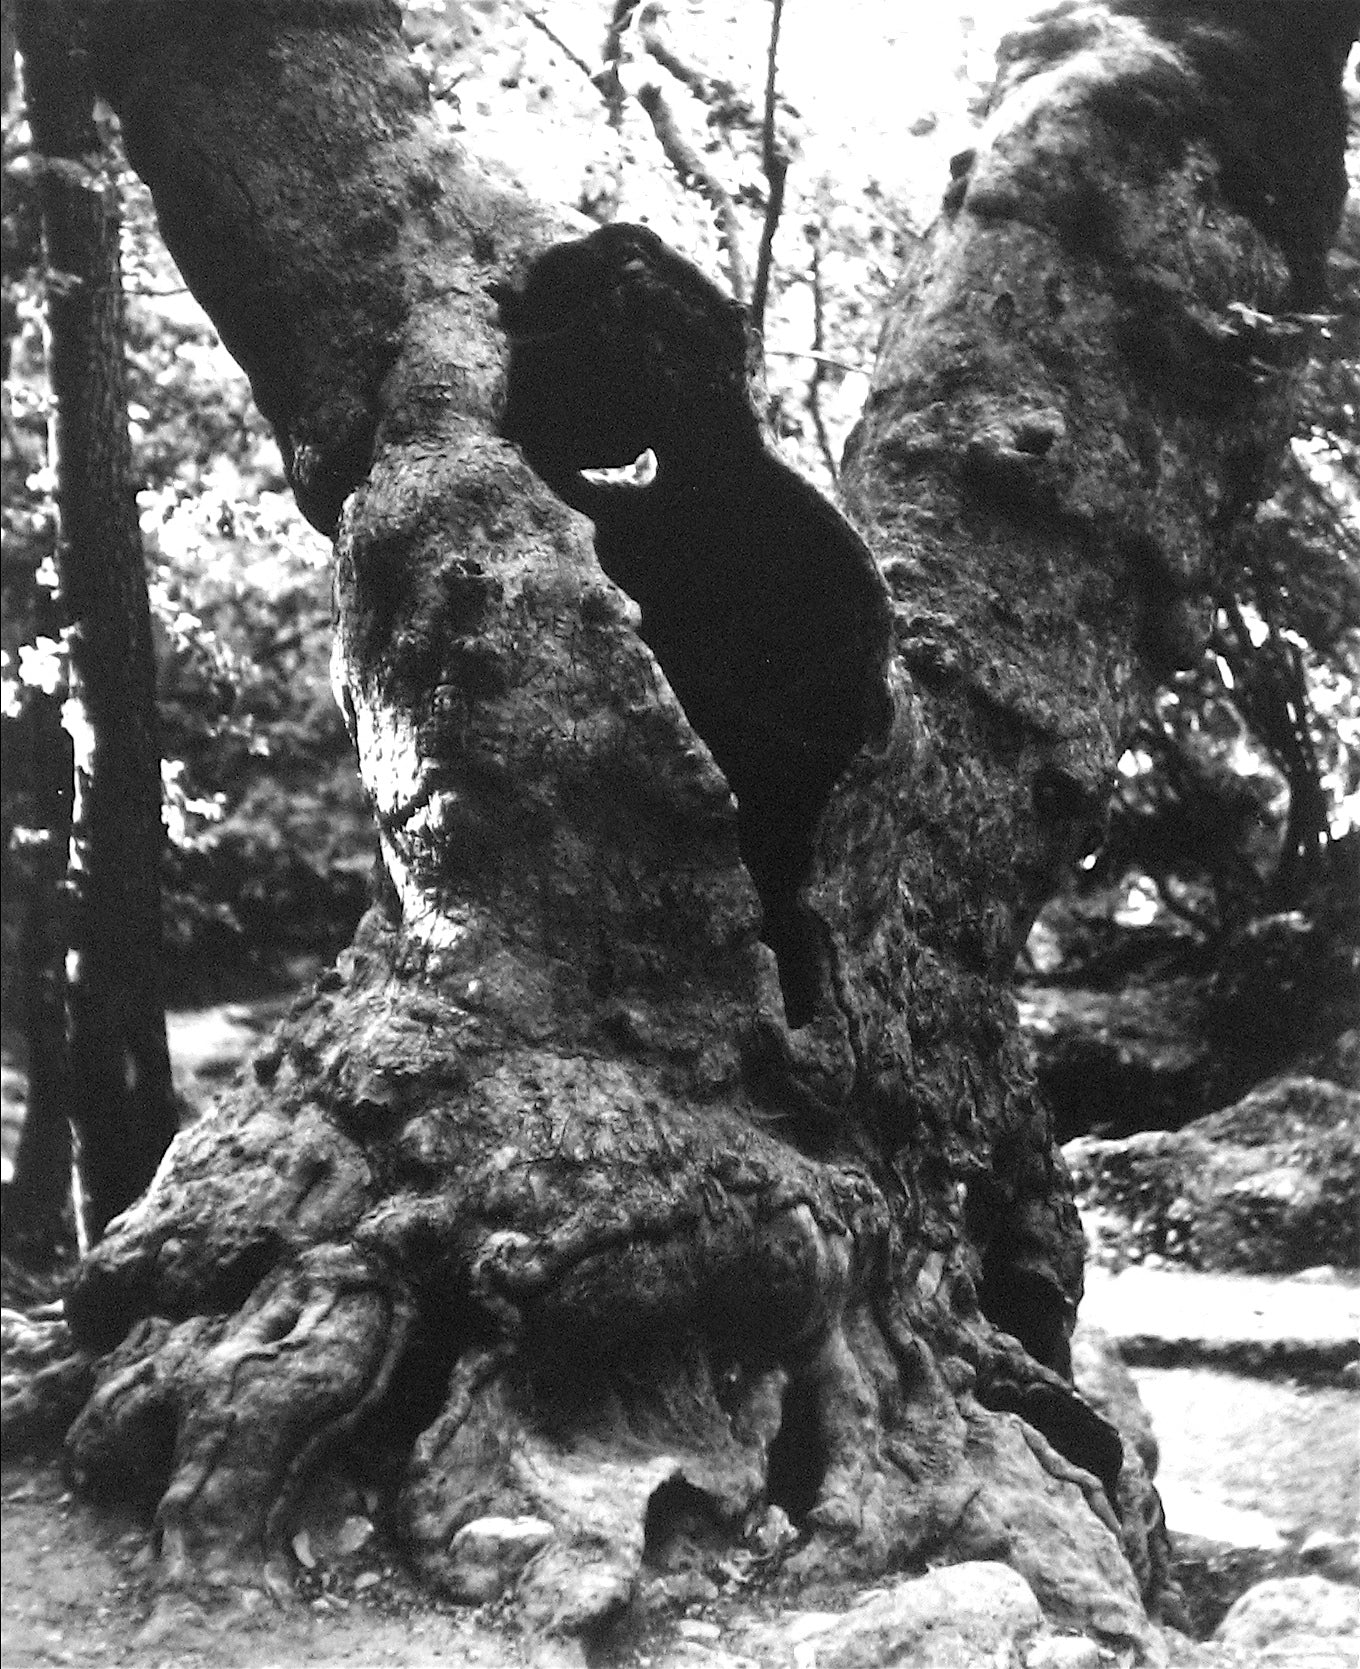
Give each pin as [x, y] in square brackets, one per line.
[761, 603]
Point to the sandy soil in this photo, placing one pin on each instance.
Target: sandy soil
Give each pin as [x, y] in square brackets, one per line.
[79, 1588]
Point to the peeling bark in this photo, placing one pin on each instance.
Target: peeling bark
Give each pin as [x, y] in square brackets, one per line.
[620, 1235]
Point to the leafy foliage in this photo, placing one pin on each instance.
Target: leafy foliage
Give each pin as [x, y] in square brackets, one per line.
[269, 840]
[269, 836]
[1240, 799]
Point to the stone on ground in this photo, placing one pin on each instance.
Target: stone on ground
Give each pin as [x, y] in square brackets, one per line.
[1268, 1185]
[958, 1617]
[1290, 1606]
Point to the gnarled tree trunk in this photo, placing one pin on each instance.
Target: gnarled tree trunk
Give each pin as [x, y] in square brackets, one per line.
[565, 1199]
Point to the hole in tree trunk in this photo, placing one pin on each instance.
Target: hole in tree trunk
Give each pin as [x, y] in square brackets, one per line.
[380, 1447]
[680, 1524]
[136, 1470]
[791, 933]
[798, 1457]
[1023, 1305]
[759, 600]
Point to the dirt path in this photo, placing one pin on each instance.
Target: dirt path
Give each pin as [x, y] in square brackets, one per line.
[1309, 1323]
[208, 1046]
[1255, 1463]
[78, 1588]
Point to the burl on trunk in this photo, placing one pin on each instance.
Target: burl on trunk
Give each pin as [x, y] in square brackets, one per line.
[653, 1160]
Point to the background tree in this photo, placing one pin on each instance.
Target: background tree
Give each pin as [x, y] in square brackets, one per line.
[115, 1074]
[548, 1205]
[1215, 938]
[1243, 781]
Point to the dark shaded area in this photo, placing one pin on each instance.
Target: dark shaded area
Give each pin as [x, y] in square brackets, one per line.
[1074, 1429]
[798, 1459]
[241, 909]
[100, 1312]
[758, 598]
[1090, 1087]
[677, 1514]
[1022, 1304]
[1151, 1030]
[1212, 1576]
[1272, 108]
[38, 1225]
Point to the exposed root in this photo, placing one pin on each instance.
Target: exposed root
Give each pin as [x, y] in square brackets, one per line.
[848, 1425]
[233, 1414]
[47, 1380]
[327, 1438]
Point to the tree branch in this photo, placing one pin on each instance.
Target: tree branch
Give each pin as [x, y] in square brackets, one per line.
[544, 27]
[776, 166]
[610, 86]
[819, 360]
[691, 169]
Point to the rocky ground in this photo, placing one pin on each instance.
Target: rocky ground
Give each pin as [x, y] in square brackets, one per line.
[1259, 1479]
[1250, 1382]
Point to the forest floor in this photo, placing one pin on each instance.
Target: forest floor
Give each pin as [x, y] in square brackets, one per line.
[1249, 1461]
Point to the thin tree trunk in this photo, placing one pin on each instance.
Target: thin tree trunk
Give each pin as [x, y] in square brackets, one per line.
[122, 1106]
[38, 1198]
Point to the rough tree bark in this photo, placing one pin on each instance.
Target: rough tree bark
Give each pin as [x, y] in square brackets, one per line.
[564, 1199]
[121, 1104]
[38, 1197]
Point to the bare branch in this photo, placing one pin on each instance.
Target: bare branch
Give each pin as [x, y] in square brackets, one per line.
[609, 84]
[659, 48]
[540, 23]
[776, 166]
[721, 96]
[821, 358]
[688, 164]
[814, 387]
[692, 170]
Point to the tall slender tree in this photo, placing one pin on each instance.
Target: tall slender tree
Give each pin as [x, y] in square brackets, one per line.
[121, 1105]
[37, 1225]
